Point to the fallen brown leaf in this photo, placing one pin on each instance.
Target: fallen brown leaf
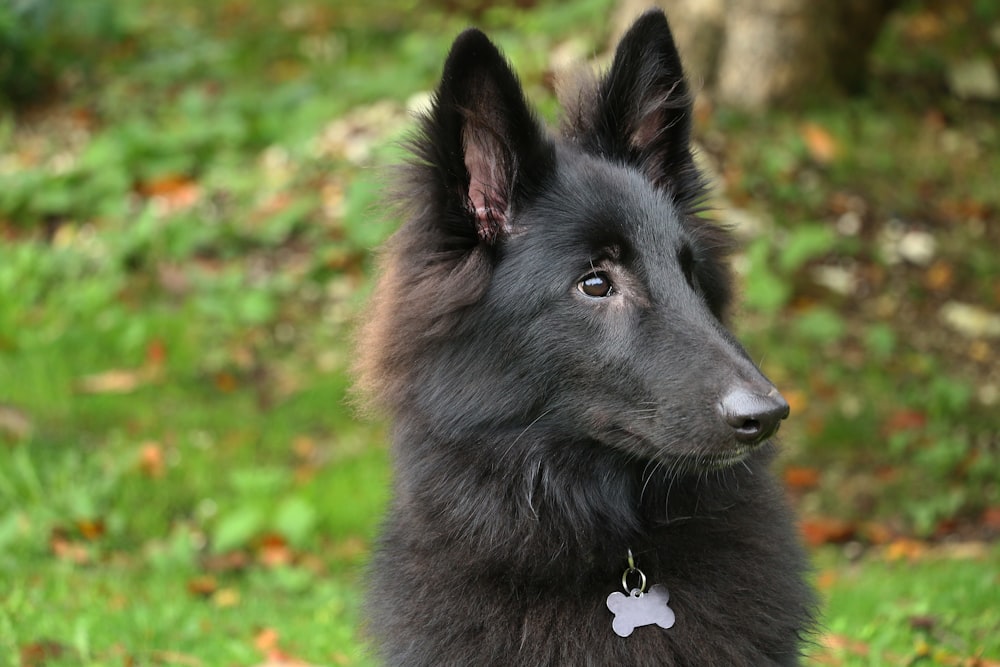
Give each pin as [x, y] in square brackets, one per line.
[274, 551]
[15, 422]
[877, 533]
[43, 652]
[116, 381]
[273, 205]
[119, 380]
[826, 530]
[266, 640]
[156, 353]
[225, 382]
[991, 518]
[175, 191]
[886, 473]
[826, 579]
[91, 529]
[843, 643]
[305, 447]
[151, 459]
[940, 276]
[801, 478]
[980, 351]
[175, 658]
[349, 548]
[203, 586]
[971, 550]
[822, 145]
[67, 549]
[924, 26]
[905, 548]
[905, 420]
[227, 562]
[797, 400]
[226, 597]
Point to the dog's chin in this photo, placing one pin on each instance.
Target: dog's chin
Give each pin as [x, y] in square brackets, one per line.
[724, 459]
[691, 460]
[728, 457]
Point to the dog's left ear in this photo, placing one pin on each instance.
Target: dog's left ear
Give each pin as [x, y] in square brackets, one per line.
[640, 111]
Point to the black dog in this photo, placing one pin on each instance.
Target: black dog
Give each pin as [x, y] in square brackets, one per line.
[580, 445]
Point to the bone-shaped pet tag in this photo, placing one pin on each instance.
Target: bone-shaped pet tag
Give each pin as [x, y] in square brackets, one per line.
[637, 609]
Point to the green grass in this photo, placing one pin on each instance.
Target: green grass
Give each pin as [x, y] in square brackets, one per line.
[245, 522]
[147, 614]
[935, 609]
[189, 199]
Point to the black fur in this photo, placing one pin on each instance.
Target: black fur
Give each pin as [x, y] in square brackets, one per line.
[541, 433]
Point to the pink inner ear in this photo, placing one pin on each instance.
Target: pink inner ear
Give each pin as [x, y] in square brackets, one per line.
[484, 226]
[486, 181]
[476, 163]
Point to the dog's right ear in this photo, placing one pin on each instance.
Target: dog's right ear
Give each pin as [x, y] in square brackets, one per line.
[639, 113]
[487, 148]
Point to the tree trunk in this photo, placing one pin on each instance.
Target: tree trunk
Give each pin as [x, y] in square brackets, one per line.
[756, 53]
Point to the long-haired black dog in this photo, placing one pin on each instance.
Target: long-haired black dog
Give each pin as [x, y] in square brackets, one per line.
[580, 445]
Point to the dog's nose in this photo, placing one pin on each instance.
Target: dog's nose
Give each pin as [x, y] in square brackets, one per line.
[754, 417]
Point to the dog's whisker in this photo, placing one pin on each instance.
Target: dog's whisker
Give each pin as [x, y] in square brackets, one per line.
[527, 428]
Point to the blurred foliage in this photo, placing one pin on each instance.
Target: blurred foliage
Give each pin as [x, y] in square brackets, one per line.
[856, 323]
[44, 43]
[190, 195]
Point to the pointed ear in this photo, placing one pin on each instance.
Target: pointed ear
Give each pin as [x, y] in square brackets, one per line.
[485, 144]
[639, 113]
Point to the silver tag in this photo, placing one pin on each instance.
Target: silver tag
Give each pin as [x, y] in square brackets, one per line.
[637, 609]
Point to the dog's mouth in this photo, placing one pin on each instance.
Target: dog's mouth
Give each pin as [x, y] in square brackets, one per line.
[726, 459]
[690, 458]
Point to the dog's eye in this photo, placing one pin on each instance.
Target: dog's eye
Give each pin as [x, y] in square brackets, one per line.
[596, 285]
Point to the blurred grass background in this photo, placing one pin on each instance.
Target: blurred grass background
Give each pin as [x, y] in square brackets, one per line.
[188, 207]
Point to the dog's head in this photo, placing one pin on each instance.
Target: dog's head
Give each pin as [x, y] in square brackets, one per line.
[566, 285]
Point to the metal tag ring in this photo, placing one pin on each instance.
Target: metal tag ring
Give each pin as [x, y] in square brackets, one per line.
[642, 580]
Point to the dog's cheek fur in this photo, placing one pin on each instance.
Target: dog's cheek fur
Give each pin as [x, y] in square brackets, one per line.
[416, 302]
